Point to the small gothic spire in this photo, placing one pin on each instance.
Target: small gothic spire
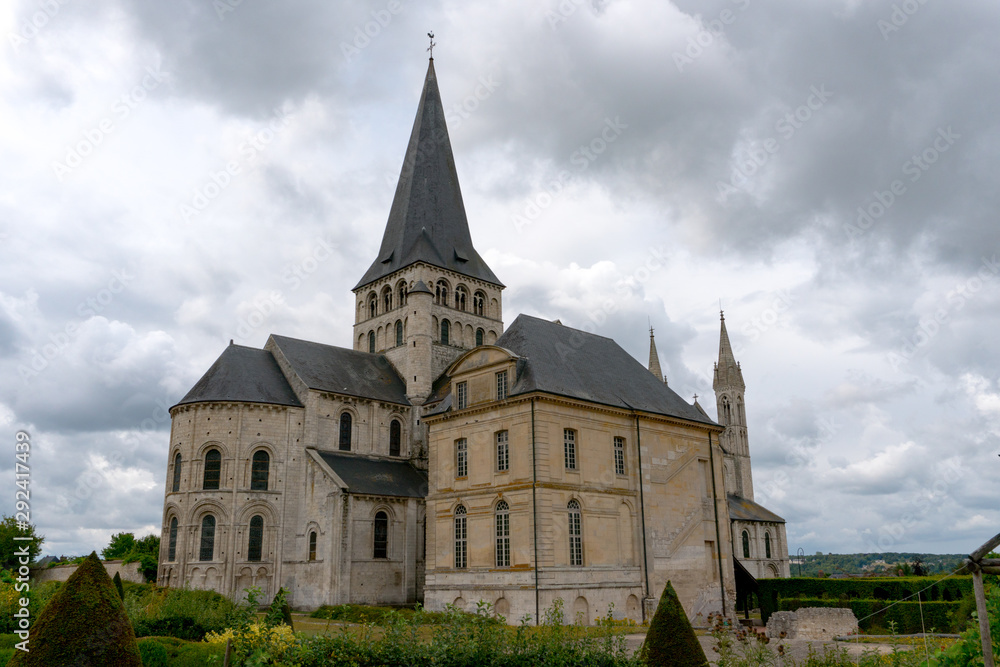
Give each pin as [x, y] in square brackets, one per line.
[654, 358]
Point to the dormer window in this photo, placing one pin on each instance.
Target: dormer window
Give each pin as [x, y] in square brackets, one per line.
[461, 395]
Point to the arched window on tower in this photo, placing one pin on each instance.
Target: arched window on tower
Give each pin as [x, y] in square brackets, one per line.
[172, 541]
[399, 333]
[213, 470]
[741, 416]
[386, 299]
[176, 485]
[259, 470]
[312, 546]
[256, 542]
[372, 306]
[371, 342]
[345, 432]
[727, 417]
[401, 293]
[207, 547]
[381, 547]
[460, 297]
[746, 544]
[441, 293]
[479, 303]
[395, 436]
[445, 332]
[480, 334]
[767, 545]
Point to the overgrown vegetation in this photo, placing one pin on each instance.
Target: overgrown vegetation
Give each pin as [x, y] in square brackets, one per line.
[9, 547]
[128, 549]
[359, 613]
[177, 612]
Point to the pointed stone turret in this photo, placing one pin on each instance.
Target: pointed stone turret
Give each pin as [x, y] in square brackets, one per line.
[427, 221]
[654, 358]
[729, 389]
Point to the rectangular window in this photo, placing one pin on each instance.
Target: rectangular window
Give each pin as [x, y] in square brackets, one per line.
[503, 452]
[569, 448]
[619, 456]
[461, 458]
[501, 385]
[461, 395]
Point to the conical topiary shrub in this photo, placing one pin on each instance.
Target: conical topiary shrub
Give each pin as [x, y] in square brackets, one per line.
[118, 585]
[671, 639]
[83, 624]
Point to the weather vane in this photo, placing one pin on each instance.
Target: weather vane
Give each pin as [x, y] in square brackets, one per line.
[433, 44]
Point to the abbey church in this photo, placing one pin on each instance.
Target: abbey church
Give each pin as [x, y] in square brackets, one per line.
[448, 459]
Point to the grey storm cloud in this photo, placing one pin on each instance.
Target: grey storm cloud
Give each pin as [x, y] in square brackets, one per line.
[828, 170]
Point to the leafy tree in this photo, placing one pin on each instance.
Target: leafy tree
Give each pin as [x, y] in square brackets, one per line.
[119, 547]
[9, 558]
[671, 639]
[84, 623]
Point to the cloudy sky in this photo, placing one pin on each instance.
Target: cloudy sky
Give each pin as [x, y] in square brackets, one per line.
[178, 174]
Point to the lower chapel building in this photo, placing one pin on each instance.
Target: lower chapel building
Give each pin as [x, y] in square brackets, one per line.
[448, 460]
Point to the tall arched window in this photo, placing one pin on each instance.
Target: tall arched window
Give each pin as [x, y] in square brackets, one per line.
[503, 534]
[441, 293]
[479, 303]
[213, 470]
[381, 549]
[312, 546]
[372, 305]
[172, 541]
[575, 534]
[387, 299]
[345, 431]
[460, 297]
[746, 544]
[461, 538]
[445, 331]
[176, 485]
[256, 542]
[207, 549]
[371, 342]
[395, 436]
[401, 293]
[259, 470]
[399, 333]
[741, 416]
[727, 417]
[480, 334]
[767, 545]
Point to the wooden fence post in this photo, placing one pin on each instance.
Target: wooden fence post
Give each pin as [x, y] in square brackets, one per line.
[975, 562]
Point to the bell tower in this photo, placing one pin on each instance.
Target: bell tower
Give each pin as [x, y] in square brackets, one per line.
[429, 295]
[729, 389]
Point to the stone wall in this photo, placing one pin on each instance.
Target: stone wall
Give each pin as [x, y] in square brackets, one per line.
[813, 623]
[128, 572]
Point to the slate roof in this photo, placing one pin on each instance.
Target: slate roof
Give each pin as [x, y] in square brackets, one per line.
[377, 477]
[243, 374]
[427, 220]
[342, 371]
[743, 509]
[561, 360]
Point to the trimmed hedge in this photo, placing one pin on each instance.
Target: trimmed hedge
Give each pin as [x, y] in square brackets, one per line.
[772, 591]
[938, 616]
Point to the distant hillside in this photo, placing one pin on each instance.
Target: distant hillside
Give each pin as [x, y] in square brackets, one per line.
[884, 563]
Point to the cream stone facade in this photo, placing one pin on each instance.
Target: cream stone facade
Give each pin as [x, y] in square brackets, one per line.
[445, 459]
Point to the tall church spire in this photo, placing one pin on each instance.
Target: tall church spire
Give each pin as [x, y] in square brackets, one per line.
[427, 221]
[654, 358]
[727, 369]
[729, 389]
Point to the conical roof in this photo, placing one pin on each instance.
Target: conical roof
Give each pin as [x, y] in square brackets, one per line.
[727, 369]
[427, 221]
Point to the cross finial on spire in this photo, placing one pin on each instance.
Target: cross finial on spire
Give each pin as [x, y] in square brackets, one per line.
[696, 398]
[433, 44]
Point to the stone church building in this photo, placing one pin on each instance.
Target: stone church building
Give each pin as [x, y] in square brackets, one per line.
[448, 460]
